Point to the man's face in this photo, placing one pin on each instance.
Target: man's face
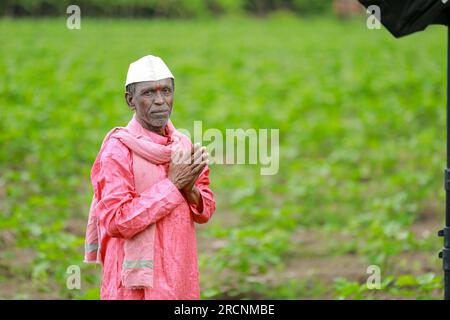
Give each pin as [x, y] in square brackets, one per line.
[153, 102]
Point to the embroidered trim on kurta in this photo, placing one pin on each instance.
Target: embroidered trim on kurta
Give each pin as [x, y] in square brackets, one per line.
[133, 264]
[91, 247]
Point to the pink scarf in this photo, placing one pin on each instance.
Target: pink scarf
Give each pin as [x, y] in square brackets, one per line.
[137, 268]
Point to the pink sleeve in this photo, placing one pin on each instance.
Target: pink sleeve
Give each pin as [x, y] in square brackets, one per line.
[209, 204]
[121, 211]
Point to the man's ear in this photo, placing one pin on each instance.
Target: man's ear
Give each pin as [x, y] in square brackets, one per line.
[129, 99]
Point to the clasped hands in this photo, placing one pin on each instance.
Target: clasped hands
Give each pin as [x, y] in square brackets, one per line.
[184, 169]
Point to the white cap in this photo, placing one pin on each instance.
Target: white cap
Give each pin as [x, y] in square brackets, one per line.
[148, 68]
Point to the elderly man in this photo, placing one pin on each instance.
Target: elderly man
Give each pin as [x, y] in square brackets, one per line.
[150, 186]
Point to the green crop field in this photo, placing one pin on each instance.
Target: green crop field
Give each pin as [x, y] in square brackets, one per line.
[361, 119]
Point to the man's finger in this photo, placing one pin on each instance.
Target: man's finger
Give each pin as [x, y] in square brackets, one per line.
[198, 155]
[194, 147]
[199, 167]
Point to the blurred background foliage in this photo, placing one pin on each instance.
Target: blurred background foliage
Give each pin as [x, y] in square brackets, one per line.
[161, 8]
[362, 144]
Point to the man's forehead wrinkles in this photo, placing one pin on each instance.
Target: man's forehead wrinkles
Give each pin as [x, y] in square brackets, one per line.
[154, 85]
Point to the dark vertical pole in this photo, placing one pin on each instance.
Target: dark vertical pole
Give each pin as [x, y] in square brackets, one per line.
[445, 253]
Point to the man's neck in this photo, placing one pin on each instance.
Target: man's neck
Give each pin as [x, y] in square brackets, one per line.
[158, 130]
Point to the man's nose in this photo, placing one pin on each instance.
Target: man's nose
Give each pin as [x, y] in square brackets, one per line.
[159, 98]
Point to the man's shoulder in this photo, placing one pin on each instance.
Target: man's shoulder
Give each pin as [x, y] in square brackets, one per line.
[112, 154]
[113, 148]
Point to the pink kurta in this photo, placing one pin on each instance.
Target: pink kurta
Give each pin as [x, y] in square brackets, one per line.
[126, 214]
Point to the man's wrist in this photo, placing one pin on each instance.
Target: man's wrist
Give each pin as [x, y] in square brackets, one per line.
[188, 188]
[191, 193]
